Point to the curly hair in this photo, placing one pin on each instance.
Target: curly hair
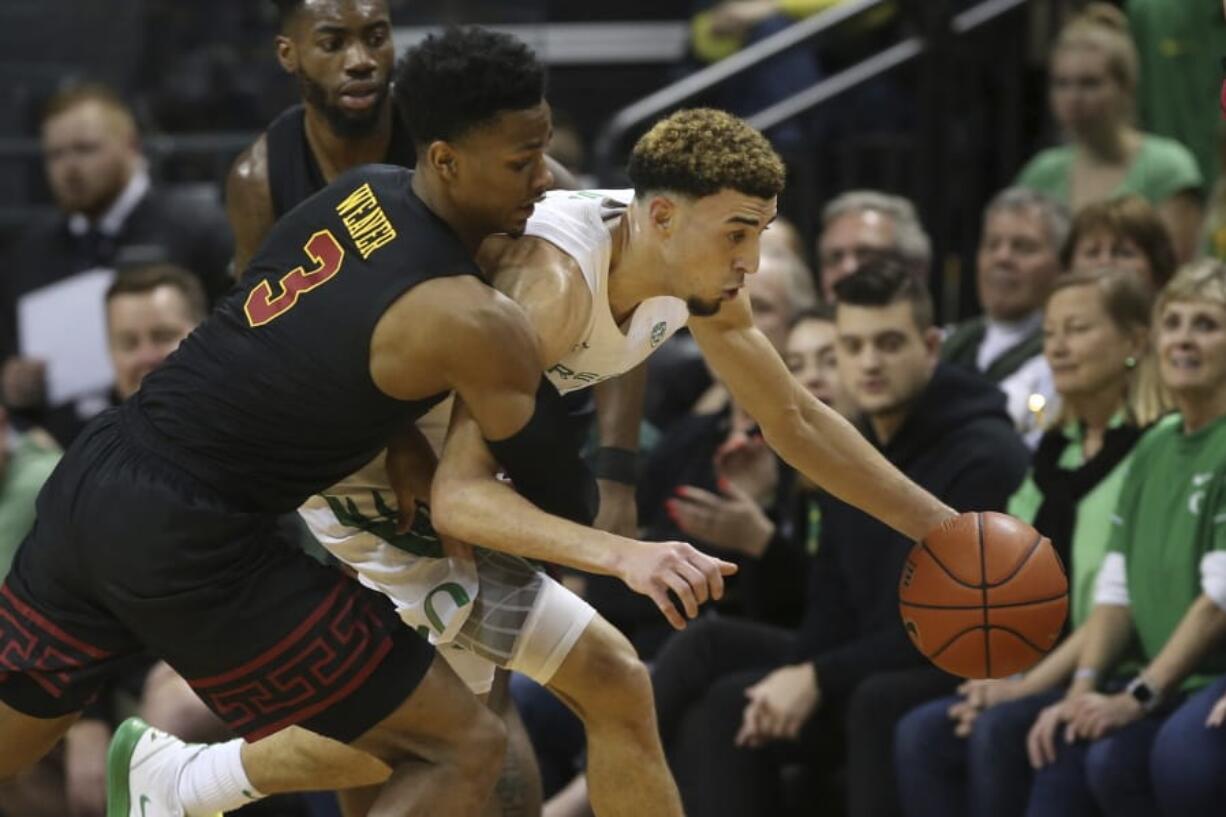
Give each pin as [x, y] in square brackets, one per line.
[453, 82]
[702, 151]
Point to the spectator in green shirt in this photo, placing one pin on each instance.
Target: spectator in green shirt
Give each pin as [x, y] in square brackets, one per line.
[965, 754]
[1093, 84]
[1162, 585]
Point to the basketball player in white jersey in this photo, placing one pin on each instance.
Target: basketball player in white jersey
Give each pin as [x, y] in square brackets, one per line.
[605, 278]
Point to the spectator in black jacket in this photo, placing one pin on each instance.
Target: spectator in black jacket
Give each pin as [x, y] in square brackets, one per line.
[109, 217]
[737, 699]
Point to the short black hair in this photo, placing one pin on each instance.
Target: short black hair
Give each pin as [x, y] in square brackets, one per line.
[452, 82]
[286, 9]
[881, 281]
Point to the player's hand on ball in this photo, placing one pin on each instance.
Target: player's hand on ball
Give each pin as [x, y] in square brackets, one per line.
[779, 706]
[655, 568]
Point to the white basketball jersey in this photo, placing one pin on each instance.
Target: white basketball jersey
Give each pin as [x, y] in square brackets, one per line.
[576, 222]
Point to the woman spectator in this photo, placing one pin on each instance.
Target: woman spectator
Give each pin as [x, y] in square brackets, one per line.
[1123, 233]
[1092, 86]
[965, 755]
[1160, 585]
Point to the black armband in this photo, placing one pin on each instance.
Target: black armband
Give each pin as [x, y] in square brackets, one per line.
[544, 464]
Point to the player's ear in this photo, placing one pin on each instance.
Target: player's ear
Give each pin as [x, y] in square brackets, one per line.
[662, 212]
[287, 54]
[442, 159]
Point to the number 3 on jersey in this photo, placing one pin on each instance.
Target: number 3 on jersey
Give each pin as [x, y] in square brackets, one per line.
[324, 251]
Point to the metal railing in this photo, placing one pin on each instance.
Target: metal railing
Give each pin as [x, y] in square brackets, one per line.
[670, 96]
[611, 136]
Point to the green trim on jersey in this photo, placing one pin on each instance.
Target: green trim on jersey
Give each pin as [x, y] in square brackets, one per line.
[1171, 512]
[420, 539]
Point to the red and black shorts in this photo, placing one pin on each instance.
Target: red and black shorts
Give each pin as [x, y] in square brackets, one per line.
[132, 554]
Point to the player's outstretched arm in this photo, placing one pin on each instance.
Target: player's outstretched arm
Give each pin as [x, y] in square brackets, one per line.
[249, 203]
[812, 437]
[469, 503]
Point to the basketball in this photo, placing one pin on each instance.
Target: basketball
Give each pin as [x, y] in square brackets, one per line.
[984, 596]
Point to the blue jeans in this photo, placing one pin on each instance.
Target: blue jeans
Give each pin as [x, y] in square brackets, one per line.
[1108, 777]
[984, 775]
[1188, 761]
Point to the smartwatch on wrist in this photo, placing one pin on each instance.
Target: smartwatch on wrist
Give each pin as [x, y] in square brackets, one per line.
[1143, 693]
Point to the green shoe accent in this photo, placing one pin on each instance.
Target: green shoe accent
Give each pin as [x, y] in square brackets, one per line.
[119, 764]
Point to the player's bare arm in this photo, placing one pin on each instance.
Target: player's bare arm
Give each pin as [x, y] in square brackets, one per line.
[546, 283]
[249, 203]
[812, 437]
[469, 503]
[458, 334]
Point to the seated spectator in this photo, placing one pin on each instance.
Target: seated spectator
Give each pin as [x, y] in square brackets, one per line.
[109, 217]
[1123, 233]
[1017, 262]
[1093, 82]
[1159, 588]
[862, 224]
[738, 698]
[965, 755]
[149, 311]
[26, 460]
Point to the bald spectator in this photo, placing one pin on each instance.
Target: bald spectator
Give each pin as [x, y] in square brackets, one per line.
[1017, 262]
[108, 217]
[863, 224]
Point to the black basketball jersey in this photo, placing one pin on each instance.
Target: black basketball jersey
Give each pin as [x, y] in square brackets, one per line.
[293, 173]
[271, 399]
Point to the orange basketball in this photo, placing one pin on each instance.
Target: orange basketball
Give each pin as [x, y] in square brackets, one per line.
[983, 596]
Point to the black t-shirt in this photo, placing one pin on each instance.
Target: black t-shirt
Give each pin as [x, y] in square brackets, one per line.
[294, 174]
[271, 399]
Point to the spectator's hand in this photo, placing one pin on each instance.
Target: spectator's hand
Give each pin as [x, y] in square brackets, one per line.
[779, 706]
[980, 695]
[23, 382]
[655, 568]
[1041, 741]
[748, 463]
[618, 512]
[85, 747]
[734, 18]
[730, 522]
[1217, 715]
[1097, 715]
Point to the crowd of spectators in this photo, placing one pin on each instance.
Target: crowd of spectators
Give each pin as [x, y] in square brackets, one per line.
[1088, 398]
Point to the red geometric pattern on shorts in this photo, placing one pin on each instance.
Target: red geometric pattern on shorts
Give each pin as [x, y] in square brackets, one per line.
[33, 646]
[325, 659]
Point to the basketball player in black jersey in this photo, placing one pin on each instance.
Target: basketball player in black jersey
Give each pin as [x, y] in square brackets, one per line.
[341, 54]
[155, 532]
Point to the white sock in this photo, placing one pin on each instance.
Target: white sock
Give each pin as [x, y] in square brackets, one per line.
[214, 780]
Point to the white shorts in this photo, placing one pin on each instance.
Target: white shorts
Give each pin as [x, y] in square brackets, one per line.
[495, 611]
